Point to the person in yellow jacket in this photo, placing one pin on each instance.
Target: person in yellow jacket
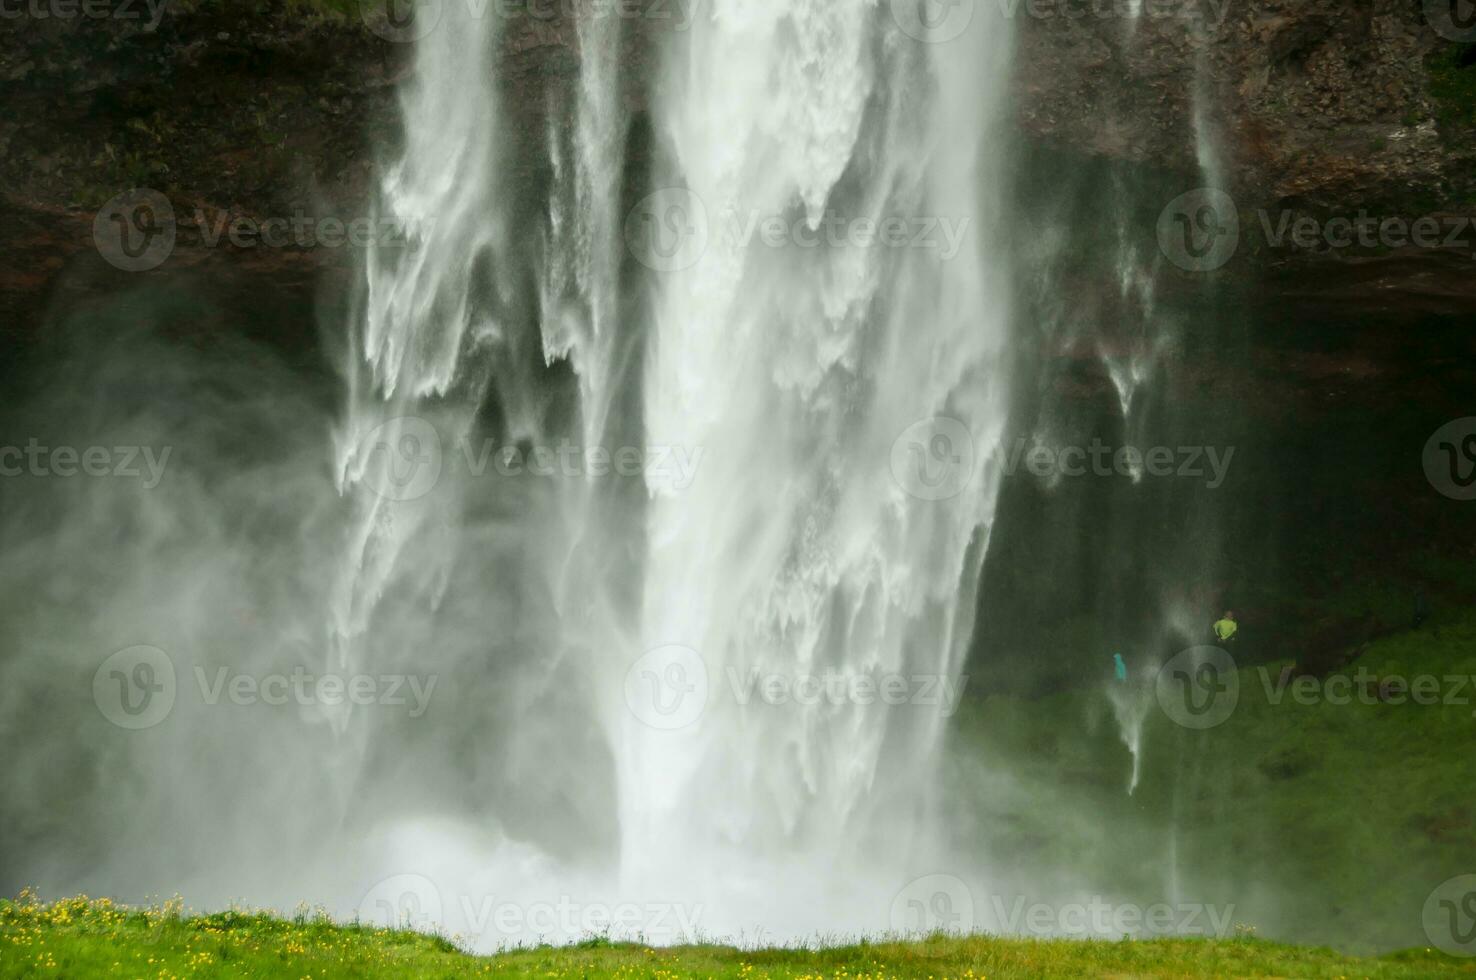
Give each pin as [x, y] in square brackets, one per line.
[1225, 627]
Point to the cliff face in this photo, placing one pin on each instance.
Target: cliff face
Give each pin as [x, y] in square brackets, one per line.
[265, 111]
[1314, 108]
[227, 111]
[1320, 102]
[1303, 110]
[1311, 111]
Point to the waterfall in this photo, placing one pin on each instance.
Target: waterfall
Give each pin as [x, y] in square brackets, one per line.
[410, 397]
[824, 347]
[1139, 357]
[795, 370]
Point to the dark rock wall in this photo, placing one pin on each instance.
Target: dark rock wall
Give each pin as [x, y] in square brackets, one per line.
[1314, 108]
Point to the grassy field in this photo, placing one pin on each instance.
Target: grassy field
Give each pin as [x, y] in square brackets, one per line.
[79, 937]
[1320, 820]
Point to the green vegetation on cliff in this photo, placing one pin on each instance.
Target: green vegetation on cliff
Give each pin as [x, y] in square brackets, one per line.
[1320, 809]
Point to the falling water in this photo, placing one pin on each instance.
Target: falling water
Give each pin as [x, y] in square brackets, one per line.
[1131, 699]
[799, 551]
[810, 382]
[405, 371]
[575, 668]
[1136, 357]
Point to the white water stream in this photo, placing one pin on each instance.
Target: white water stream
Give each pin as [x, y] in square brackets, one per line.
[836, 385]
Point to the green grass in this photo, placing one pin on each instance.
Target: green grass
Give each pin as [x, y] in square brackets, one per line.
[1317, 822]
[81, 937]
